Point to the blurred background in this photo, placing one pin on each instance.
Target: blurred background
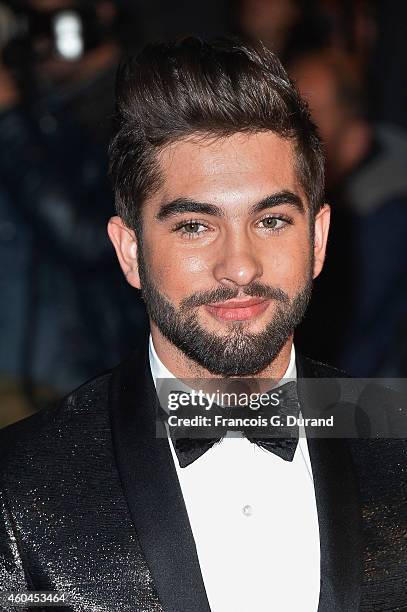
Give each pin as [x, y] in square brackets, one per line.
[66, 312]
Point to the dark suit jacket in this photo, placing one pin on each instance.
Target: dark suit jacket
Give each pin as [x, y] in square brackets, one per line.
[91, 505]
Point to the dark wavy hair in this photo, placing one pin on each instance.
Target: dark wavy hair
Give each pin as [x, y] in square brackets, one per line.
[189, 87]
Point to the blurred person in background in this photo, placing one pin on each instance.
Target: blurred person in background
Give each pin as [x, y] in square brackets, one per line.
[291, 28]
[365, 283]
[284, 26]
[65, 311]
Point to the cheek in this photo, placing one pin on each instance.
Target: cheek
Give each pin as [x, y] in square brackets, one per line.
[286, 265]
[193, 265]
[178, 274]
[185, 268]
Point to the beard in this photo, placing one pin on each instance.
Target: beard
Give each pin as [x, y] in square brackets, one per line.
[238, 352]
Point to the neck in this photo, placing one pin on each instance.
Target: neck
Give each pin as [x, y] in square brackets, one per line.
[182, 366]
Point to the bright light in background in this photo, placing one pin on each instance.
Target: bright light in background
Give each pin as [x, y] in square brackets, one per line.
[68, 35]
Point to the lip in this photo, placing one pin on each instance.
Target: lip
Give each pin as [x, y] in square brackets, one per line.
[238, 310]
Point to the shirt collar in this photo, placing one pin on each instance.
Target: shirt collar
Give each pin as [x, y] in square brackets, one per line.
[159, 370]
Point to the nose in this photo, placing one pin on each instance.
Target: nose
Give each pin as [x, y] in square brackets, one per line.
[237, 262]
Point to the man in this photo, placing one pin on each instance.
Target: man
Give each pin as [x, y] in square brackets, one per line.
[218, 177]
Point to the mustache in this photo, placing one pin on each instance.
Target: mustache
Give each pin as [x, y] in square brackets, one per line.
[221, 294]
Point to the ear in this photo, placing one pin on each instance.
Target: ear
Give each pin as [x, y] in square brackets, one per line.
[125, 243]
[321, 230]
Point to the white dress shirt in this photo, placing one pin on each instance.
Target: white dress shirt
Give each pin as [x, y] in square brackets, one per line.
[254, 520]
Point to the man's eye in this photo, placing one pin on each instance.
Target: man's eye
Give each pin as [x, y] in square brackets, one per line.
[273, 223]
[190, 229]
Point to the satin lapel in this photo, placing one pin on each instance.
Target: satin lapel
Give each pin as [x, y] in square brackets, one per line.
[339, 512]
[152, 489]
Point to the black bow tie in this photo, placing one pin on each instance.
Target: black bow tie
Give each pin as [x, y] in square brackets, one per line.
[282, 440]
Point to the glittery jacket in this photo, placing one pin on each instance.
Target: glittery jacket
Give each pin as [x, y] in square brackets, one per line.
[91, 506]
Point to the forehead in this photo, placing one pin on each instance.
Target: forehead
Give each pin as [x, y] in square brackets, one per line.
[240, 166]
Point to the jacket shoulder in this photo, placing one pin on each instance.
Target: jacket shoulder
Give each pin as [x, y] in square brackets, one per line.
[55, 426]
[310, 368]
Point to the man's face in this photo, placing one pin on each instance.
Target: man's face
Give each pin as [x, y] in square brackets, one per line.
[230, 222]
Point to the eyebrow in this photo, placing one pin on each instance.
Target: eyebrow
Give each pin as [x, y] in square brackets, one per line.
[185, 205]
[282, 197]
